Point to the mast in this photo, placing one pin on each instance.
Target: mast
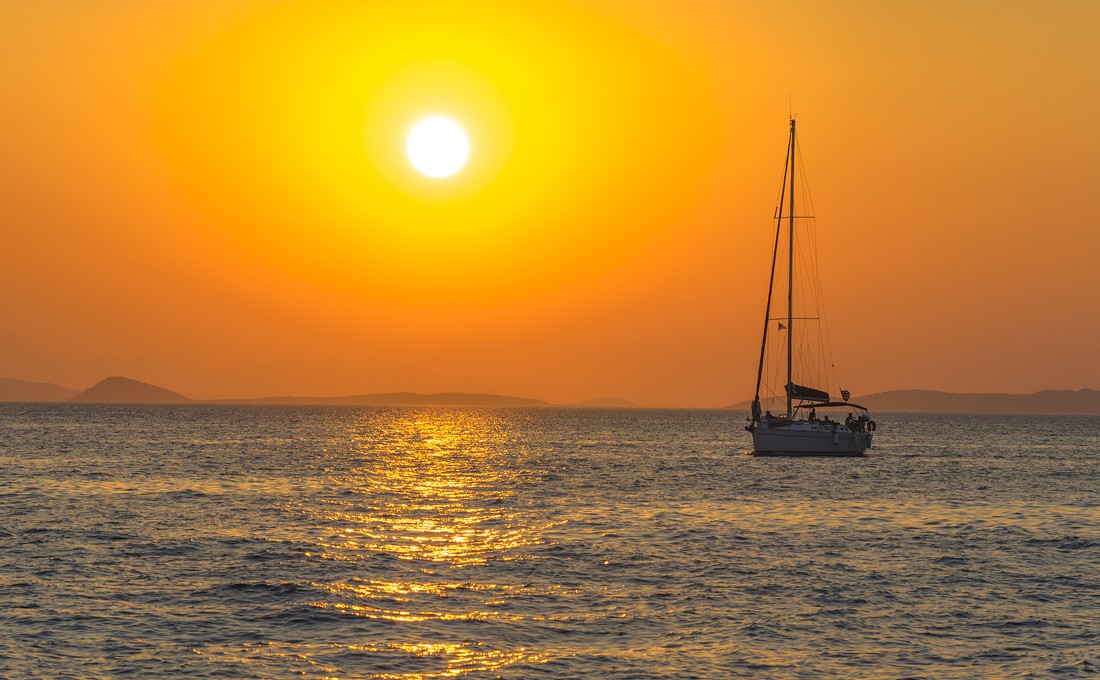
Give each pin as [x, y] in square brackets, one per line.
[790, 277]
[771, 286]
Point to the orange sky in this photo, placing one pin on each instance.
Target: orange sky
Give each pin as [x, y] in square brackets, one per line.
[213, 197]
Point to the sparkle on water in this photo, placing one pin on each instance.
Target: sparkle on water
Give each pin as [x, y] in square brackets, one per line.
[279, 542]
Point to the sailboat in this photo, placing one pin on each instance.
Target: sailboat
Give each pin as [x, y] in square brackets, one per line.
[795, 363]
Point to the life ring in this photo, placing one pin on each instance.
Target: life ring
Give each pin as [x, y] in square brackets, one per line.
[871, 425]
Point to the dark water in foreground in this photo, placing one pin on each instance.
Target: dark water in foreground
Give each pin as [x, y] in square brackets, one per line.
[184, 542]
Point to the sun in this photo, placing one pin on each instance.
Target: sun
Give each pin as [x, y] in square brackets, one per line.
[437, 146]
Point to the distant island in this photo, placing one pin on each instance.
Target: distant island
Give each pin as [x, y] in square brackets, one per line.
[399, 399]
[22, 390]
[1046, 402]
[119, 390]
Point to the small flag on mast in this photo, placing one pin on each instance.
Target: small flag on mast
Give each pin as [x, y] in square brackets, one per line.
[782, 327]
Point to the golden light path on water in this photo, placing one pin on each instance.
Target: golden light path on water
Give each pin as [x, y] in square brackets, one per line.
[232, 542]
[429, 488]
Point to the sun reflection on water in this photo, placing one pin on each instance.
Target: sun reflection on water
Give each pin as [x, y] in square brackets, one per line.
[447, 660]
[430, 485]
[426, 500]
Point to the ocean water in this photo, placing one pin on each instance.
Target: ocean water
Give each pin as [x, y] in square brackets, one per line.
[279, 542]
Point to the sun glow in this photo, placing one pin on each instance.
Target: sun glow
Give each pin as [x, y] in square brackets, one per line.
[437, 147]
[412, 225]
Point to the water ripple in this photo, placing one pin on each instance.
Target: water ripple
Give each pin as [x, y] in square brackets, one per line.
[230, 542]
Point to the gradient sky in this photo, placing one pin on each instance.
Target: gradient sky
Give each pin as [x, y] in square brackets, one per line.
[213, 197]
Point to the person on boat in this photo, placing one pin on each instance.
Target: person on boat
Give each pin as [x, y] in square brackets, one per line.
[813, 415]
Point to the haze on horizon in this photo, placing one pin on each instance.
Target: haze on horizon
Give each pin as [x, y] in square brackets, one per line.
[211, 196]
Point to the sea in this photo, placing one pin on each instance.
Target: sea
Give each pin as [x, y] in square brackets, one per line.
[213, 541]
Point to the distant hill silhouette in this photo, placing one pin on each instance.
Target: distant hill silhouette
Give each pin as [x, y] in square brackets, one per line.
[22, 390]
[1070, 402]
[1046, 402]
[121, 390]
[401, 399]
[118, 390]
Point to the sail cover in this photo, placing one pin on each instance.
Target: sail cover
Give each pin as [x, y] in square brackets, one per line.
[807, 393]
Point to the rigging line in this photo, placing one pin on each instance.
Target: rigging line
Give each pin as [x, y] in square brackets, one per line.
[790, 268]
[808, 269]
[808, 256]
[825, 352]
[771, 280]
[778, 212]
[810, 297]
[826, 339]
[815, 264]
[828, 342]
[807, 196]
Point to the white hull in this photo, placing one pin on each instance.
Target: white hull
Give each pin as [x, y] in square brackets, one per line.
[805, 439]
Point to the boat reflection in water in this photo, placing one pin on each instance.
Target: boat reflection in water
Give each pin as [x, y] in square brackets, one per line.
[419, 525]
